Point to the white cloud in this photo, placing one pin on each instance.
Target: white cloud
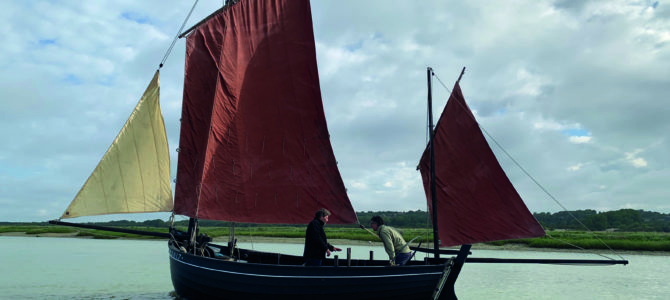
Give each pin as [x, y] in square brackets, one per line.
[548, 124]
[639, 162]
[634, 160]
[580, 139]
[336, 58]
[530, 84]
[575, 167]
[358, 185]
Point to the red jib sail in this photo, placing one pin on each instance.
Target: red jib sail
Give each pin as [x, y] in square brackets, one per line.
[476, 202]
[254, 145]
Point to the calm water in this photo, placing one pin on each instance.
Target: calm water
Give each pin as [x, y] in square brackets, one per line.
[70, 268]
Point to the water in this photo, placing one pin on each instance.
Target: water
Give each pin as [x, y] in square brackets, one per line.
[72, 268]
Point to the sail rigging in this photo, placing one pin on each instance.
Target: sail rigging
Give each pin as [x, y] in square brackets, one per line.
[134, 174]
[254, 144]
[475, 200]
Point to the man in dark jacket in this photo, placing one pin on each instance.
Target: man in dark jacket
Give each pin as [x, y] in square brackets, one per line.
[316, 244]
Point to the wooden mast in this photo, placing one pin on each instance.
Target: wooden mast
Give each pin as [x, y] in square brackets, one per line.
[431, 145]
[433, 192]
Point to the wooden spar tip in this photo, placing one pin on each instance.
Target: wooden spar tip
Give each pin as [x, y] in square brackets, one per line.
[432, 72]
[228, 4]
[113, 229]
[547, 261]
[459, 76]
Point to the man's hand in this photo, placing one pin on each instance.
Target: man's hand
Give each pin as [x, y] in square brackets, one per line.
[336, 249]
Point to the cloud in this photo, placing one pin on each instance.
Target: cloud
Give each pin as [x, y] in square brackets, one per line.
[576, 167]
[580, 139]
[574, 91]
[634, 160]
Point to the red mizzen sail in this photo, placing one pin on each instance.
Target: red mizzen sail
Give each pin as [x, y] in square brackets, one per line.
[254, 145]
[476, 202]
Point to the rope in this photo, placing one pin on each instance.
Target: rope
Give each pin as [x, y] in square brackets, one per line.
[410, 241]
[171, 221]
[442, 83]
[368, 230]
[251, 237]
[532, 178]
[580, 248]
[174, 41]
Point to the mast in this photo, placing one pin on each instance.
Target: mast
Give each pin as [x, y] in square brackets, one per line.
[433, 192]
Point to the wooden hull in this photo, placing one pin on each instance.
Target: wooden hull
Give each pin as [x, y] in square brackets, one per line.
[198, 277]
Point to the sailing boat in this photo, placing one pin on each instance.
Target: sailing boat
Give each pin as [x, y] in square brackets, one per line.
[254, 147]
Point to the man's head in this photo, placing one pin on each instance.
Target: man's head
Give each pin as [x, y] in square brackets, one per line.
[322, 214]
[376, 221]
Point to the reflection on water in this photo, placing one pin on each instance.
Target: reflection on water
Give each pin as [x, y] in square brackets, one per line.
[71, 268]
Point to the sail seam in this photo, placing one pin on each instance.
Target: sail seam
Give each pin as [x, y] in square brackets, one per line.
[139, 163]
[152, 117]
[123, 185]
[209, 135]
[167, 150]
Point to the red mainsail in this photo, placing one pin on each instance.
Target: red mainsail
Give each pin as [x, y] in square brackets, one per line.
[254, 145]
[476, 202]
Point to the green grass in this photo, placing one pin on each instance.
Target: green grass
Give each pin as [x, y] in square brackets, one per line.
[36, 229]
[634, 241]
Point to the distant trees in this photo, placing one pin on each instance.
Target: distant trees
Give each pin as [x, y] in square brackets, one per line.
[409, 219]
[621, 220]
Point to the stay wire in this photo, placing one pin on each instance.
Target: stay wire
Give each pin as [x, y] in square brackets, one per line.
[174, 41]
[537, 183]
[580, 248]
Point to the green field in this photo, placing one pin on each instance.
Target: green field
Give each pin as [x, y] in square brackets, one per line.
[630, 241]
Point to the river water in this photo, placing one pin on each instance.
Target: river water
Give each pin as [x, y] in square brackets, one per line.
[74, 268]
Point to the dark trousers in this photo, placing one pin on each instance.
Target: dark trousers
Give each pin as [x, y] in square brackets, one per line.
[402, 258]
[315, 262]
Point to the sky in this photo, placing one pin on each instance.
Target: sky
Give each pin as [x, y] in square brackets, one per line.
[577, 92]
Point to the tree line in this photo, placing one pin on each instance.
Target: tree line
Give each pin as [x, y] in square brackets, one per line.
[630, 220]
[619, 220]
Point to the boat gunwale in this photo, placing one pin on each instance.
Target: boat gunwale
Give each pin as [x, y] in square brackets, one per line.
[342, 271]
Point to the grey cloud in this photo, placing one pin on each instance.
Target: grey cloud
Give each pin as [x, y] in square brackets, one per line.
[562, 62]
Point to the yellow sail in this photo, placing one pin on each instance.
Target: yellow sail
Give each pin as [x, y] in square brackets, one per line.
[134, 174]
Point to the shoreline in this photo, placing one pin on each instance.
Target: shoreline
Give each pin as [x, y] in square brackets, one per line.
[344, 242]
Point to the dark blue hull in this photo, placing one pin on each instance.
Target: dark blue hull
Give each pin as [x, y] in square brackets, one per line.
[199, 277]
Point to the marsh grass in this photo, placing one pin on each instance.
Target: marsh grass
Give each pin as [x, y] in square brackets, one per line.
[633, 241]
